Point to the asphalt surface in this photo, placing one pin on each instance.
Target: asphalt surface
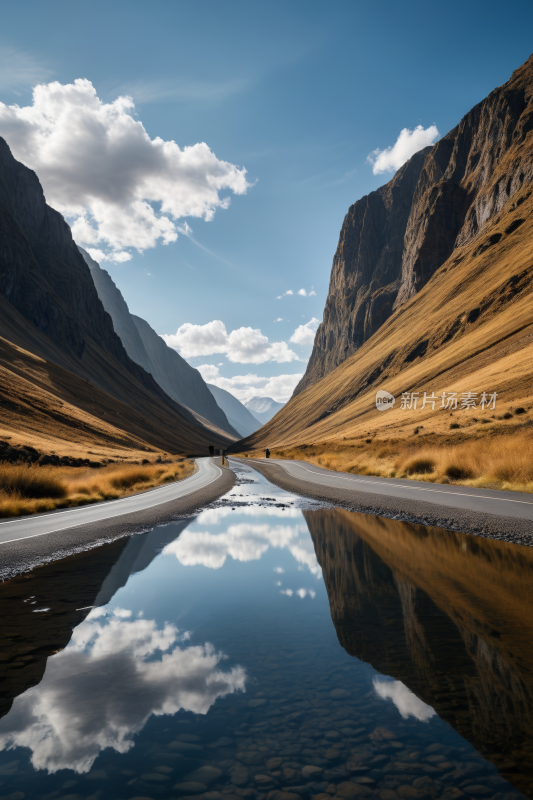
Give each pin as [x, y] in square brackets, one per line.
[29, 541]
[500, 515]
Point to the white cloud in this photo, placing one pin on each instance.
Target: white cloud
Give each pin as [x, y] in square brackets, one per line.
[98, 165]
[302, 292]
[305, 334]
[116, 256]
[407, 144]
[213, 516]
[288, 292]
[279, 319]
[242, 345]
[306, 593]
[244, 387]
[66, 727]
[288, 592]
[243, 541]
[407, 703]
[312, 293]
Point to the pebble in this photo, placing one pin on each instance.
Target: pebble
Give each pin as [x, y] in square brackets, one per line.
[204, 775]
[339, 694]
[310, 771]
[347, 789]
[154, 777]
[190, 787]
[256, 703]
[478, 790]
[240, 775]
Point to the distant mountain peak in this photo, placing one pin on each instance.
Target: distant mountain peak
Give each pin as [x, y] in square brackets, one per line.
[263, 408]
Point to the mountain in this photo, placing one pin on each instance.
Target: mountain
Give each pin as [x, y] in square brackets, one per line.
[413, 603]
[394, 240]
[238, 415]
[66, 381]
[263, 408]
[456, 316]
[144, 346]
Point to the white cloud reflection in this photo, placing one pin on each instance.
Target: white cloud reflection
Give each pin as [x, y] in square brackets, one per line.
[407, 703]
[243, 541]
[101, 690]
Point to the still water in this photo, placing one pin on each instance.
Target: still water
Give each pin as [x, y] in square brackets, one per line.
[271, 645]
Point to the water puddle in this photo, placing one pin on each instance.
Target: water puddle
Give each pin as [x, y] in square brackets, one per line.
[271, 645]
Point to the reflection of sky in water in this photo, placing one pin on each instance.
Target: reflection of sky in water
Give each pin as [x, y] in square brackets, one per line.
[407, 703]
[204, 627]
[101, 690]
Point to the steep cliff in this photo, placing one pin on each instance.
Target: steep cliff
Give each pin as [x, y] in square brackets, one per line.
[177, 378]
[51, 311]
[464, 324]
[394, 240]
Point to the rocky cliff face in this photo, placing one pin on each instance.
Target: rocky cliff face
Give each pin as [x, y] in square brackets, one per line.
[173, 374]
[394, 240]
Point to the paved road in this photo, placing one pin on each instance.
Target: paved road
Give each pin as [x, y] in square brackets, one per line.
[39, 524]
[485, 501]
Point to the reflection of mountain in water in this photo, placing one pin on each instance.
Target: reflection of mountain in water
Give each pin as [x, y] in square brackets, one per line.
[449, 615]
[68, 589]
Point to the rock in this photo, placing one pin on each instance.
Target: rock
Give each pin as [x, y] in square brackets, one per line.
[310, 771]
[205, 775]
[333, 735]
[478, 790]
[332, 754]
[213, 796]
[190, 787]
[347, 789]
[388, 794]
[240, 775]
[154, 777]
[408, 792]
[339, 694]
[274, 763]
[280, 795]
[263, 780]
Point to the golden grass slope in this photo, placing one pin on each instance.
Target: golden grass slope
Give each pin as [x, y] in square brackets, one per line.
[27, 489]
[472, 325]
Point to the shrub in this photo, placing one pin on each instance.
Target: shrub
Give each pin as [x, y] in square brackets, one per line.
[520, 410]
[420, 466]
[507, 415]
[30, 482]
[454, 426]
[457, 473]
[127, 478]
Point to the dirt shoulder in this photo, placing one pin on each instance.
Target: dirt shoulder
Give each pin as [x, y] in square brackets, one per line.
[478, 524]
[26, 554]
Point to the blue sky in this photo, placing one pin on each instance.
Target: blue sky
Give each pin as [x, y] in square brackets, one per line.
[297, 93]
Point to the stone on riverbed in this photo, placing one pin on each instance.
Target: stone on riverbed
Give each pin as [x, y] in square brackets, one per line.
[311, 771]
[190, 787]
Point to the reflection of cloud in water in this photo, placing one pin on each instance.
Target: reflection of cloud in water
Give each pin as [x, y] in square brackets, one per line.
[102, 689]
[306, 593]
[243, 542]
[212, 516]
[288, 592]
[407, 703]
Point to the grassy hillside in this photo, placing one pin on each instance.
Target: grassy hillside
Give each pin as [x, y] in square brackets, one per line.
[470, 329]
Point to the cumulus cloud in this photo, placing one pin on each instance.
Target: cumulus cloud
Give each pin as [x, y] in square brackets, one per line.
[102, 689]
[243, 387]
[288, 292]
[288, 592]
[305, 334]
[243, 541]
[99, 167]
[280, 570]
[407, 144]
[214, 516]
[242, 345]
[407, 703]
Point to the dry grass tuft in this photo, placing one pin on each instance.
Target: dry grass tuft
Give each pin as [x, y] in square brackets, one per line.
[29, 489]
